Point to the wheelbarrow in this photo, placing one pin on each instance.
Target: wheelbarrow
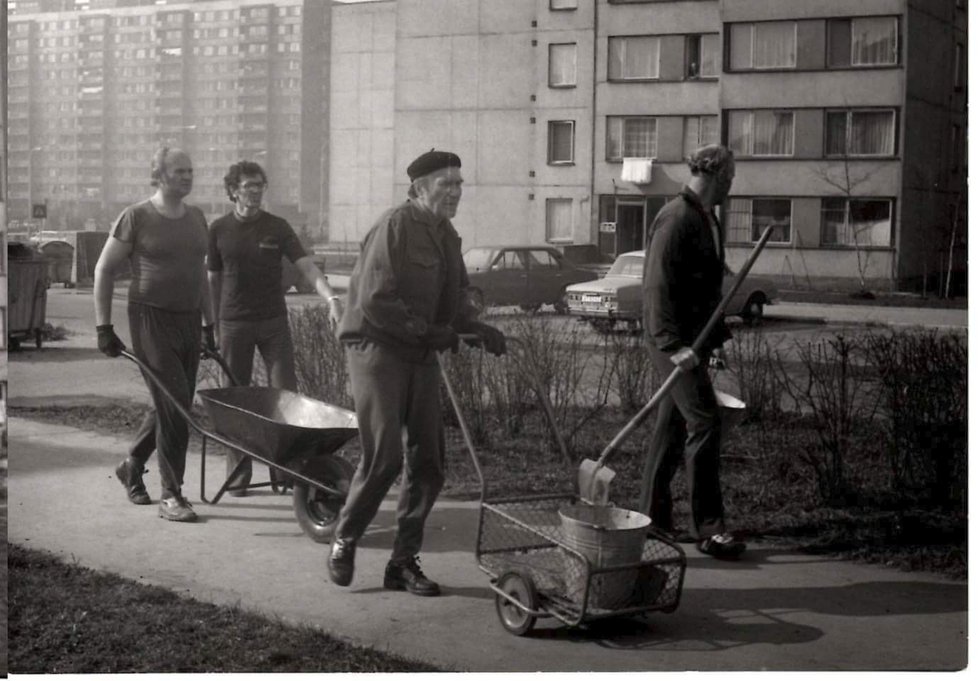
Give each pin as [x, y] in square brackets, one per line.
[544, 560]
[295, 435]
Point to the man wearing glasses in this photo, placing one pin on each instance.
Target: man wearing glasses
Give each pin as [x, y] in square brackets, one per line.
[244, 270]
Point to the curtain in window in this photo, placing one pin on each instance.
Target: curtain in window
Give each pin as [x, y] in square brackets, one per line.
[561, 141]
[874, 41]
[739, 133]
[614, 150]
[775, 212]
[563, 64]
[616, 58]
[738, 221]
[633, 58]
[773, 133]
[835, 133]
[740, 46]
[709, 55]
[870, 222]
[774, 44]
[871, 133]
[560, 219]
[639, 138]
[833, 222]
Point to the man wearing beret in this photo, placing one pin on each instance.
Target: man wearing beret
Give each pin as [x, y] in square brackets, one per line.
[406, 302]
[681, 286]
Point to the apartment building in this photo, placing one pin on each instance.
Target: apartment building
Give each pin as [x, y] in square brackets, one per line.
[573, 117]
[93, 92]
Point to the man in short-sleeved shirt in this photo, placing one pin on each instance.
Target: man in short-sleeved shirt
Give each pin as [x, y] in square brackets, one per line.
[164, 240]
[244, 263]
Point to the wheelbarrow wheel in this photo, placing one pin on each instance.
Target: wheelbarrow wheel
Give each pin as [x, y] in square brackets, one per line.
[518, 586]
[316, 509]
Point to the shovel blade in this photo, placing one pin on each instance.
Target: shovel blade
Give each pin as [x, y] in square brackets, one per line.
[594, 482]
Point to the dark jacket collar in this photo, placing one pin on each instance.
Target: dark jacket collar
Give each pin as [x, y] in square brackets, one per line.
[422, 215]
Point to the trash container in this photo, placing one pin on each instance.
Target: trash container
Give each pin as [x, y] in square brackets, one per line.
[60, 256]
[27, 295]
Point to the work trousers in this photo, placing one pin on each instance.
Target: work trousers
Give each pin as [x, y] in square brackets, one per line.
[273, 340]
[169, 343]
[394, 397]
[688, 422]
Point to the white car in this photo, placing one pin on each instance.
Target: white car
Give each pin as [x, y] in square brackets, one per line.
[617, 297]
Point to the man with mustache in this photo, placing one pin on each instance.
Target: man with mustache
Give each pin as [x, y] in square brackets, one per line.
[406, 302]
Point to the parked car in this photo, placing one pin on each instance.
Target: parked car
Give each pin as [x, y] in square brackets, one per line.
[528, 276]
[617, 297]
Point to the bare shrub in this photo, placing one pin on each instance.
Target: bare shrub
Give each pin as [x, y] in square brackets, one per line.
[320, 364]
[756, 368]
[924, 396]
[636, 377]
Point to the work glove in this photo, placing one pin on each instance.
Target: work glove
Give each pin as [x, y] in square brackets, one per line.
[490, 338]
[109, 344]
[208, 341]
[441, 337]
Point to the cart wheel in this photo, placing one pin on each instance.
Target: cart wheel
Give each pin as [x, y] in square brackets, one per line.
[317, 510]
[519, 587]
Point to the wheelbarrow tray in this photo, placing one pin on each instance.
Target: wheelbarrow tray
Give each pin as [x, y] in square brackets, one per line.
[278, 425]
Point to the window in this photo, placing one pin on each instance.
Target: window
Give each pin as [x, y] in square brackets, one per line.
[747, 219]
[857, 222]
[563, 65]
[560, 220]
[560, 142]
[633, 58]
[761, 133]
[860, 133]
[563, 4]
[766, 45]
[868, 41]
[702, 56]
[699, 131]
[631, 137]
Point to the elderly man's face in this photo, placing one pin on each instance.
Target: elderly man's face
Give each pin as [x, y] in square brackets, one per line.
[441, 191]
[724, 181]
[178, 175]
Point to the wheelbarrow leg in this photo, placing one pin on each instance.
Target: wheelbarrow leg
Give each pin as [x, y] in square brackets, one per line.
[227, 482]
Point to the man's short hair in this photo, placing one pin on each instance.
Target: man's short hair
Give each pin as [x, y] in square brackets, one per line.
[157, 166]
[238, 170]
[709, 160]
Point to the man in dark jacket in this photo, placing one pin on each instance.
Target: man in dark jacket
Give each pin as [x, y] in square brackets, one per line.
[405, 303]
[684, 267]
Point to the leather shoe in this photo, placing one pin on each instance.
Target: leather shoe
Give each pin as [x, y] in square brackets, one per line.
[340, 561]
[407, 576]
[131, 477]
[722, 546]
[177, 509]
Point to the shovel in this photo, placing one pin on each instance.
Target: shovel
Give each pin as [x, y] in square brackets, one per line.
[593, 477]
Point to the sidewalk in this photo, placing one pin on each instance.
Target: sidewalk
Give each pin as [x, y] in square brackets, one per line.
[773, 610]
[936, 318]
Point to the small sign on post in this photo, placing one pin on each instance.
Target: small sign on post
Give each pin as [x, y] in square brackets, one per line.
[39, 211]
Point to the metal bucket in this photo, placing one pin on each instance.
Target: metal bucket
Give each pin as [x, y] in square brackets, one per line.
[607, 537]
[732, 411]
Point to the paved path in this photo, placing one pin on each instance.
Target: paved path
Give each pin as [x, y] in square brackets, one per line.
[774, 610]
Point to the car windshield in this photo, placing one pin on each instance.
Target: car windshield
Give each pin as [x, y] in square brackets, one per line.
[627, 266]
[477, 258]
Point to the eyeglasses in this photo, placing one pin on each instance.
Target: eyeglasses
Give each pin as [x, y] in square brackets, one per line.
[252, 186]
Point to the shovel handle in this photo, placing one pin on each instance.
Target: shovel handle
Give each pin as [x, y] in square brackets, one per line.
[644, 412]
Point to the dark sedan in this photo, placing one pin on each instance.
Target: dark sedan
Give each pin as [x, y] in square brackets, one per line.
[528, 276]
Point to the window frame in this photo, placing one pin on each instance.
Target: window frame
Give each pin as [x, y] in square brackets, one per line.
[550, 66]
[634, 79]
[847, 202]
[848, 152]
[565, 8]
[851, 63]
[621, 144]
[698, 38]
[754, 238]
[699, 133]
[551, 126]
[725, 134]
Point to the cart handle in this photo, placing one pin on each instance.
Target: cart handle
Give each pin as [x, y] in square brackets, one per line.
[216, 356]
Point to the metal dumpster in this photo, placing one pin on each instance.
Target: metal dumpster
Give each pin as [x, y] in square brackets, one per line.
[61, 258]
[27, 294]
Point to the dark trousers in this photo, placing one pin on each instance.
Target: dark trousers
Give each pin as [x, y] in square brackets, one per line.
[687, 423]
[169, 343]
[394, 398]
[273, 340]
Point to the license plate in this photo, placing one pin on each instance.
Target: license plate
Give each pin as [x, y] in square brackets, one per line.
[590, 299]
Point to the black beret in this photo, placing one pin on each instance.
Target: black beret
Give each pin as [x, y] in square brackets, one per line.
[430, 161]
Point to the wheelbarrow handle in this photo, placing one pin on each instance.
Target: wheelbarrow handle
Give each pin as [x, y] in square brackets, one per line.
[216, 356]
[698, 344]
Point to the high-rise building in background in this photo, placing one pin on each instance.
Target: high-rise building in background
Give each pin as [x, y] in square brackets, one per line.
[572, 117]
[94, 90]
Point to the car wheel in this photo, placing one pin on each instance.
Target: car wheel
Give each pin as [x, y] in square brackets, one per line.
[560, 305]
[754, 310]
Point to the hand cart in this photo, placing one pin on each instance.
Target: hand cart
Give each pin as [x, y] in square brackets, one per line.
[536, 569]
[288, 432]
